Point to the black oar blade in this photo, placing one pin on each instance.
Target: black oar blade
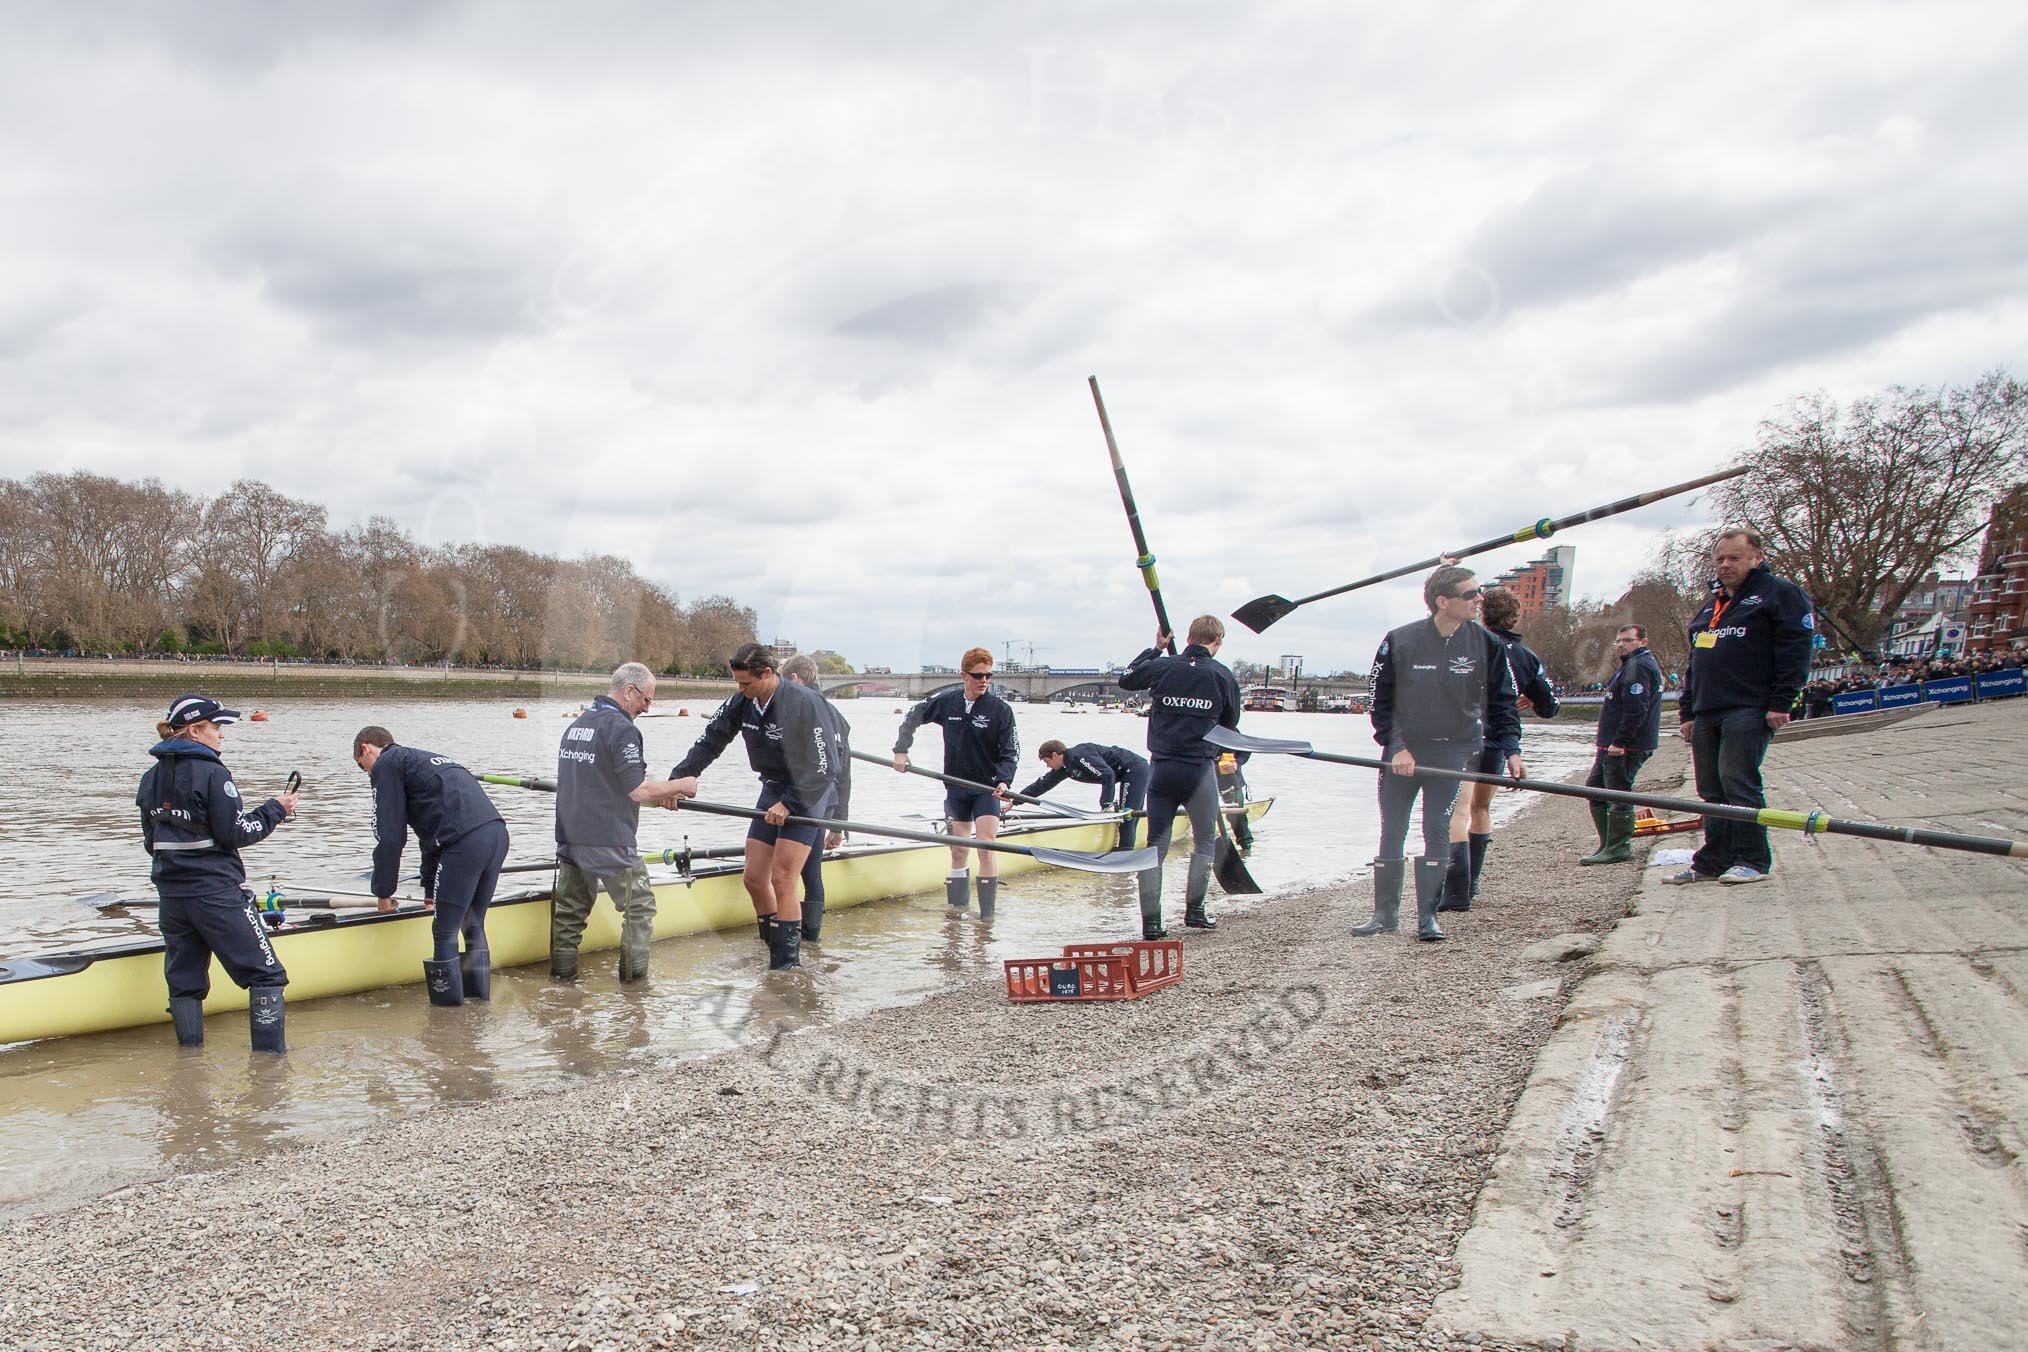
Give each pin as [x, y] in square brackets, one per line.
[1111, 861]
[1263, 611]
[1228, 739]
[1230, 870]
[103, 901]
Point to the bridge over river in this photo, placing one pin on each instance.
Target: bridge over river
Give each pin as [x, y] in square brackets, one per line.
[1038, 686]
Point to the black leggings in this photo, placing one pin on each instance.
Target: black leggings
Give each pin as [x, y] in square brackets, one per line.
[1398, 795]
[466, 877]
[1192, 786]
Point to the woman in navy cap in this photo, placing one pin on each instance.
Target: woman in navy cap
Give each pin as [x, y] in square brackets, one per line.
[193, 826]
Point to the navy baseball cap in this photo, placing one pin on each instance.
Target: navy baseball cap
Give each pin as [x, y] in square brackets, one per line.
[188, 709]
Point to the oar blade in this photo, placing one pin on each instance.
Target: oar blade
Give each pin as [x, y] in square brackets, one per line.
[1110, 861]
[1230, 870]
[103, 901]
[1228, 739]
[1263, 611]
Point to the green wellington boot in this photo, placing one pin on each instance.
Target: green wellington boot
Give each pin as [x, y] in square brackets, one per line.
[1619, 838]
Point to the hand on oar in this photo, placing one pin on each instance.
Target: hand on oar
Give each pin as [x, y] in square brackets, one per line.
[1813, 823]
[1263, 611]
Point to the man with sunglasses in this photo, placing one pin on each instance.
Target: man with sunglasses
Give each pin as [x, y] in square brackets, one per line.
[601, 782]
[980, 744]
[1442, 689]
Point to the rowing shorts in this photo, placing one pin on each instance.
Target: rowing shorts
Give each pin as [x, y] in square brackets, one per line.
[772, 793]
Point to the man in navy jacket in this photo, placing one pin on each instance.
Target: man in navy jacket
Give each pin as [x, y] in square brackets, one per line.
[981, 744]
[1749, 656]
[1629, 730]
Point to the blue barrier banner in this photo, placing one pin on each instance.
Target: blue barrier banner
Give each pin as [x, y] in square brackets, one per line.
[1995, 684]
[1899, 696]
[1855, 702]
[1950, 690]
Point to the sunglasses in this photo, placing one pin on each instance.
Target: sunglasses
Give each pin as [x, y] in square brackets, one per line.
[1471, 595]
[978, 675]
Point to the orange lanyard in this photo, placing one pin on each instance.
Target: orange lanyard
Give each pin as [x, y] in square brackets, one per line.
[1718, 610]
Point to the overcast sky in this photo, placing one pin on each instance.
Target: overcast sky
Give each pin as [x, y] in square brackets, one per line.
[797, 302]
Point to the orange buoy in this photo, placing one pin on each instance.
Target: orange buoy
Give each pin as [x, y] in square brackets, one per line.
[258, 716]
[521, 713]
[683, 713]
[897, 711]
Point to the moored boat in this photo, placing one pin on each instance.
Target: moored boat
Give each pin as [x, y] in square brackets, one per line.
[119, 985]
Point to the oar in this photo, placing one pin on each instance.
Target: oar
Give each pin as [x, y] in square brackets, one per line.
[1227, 866]
[1061, 809]
[1110, 861]
[1815, 823]
[1263, 611]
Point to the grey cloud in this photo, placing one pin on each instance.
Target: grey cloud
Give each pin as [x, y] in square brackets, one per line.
[226, 35]
[934, 316]
[29, 322]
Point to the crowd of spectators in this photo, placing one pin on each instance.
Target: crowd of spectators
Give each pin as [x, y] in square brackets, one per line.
[1818, 695]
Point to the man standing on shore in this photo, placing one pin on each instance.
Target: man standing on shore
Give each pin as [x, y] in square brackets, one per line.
[601, 782]
[1629, 730]
[982, 745]
[1192, 694]
[1749, 656]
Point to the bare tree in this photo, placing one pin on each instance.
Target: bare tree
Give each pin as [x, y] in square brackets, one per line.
[1858, 504]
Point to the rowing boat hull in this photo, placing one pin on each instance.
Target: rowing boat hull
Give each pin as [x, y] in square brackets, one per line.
[121, 986]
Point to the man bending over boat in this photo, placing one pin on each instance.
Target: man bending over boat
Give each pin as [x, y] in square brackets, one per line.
[790, 748]
[464, 843]
[601, 782]
[980, 744]
[193, 825]
[1192, 694]
[1122, 778]
[802, 670]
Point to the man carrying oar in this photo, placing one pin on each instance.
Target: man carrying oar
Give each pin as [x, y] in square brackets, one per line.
[1121, 776]
[1191, 694]
[980, 744]
[1441, 691]
[789, 746]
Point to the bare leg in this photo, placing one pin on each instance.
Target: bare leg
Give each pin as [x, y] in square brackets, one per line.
[785, 873]
[758, 879]
[989, 860]
[959, 854]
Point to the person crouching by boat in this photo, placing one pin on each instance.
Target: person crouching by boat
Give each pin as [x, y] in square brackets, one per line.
[193, 826]
[1121, 776]
[601, 782]
[1472, 821]
[1441, 691]
[1191, 694]
[981, 744]
[803, 671]
[464, 843]
[789, 747]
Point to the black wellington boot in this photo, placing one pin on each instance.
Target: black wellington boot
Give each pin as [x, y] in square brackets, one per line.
[958, 891]
[1195, 890]
[1150, 880]
[1386, 898]
[186, 1012]
[1479, 841]
[813, 919]
[475, 971]
[1457, 879]
[634, 959]
[446, 984]
[1429, 887]
[989, 895]
[264, 1018]
[785, 944]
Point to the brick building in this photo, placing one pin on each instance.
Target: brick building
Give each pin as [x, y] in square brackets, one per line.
[1543, 584]
[1998, 614]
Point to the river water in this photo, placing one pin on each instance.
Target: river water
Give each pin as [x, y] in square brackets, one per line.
[79, 1116]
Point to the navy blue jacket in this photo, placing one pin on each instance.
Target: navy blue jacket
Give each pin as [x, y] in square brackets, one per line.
[1090, 763]
[193, 824]
[1192, 694]
[1631, 716]
[789, 744]
[981, 744]
[1526, 668]
[1758, 650]
[598, 766]
[432, 793]
[1427, 688]
[840, 733]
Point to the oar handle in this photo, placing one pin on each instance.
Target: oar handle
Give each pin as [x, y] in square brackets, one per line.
[1145, 558]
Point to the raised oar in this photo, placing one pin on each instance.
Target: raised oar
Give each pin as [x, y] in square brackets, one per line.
[1226, 864]
[1109, 861]
[1815, 823]
[1263, 611]
[1061, 809]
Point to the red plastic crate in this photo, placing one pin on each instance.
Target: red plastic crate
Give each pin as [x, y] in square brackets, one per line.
[1096, 972]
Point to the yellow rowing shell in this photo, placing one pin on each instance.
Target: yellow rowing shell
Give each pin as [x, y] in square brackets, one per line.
[95, 990]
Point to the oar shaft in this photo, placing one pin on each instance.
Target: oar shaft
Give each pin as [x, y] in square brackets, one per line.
[1540, 530]
[972, 784]
[520, 782]
[1816, 823]
[1145, 560]
[863, 828]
